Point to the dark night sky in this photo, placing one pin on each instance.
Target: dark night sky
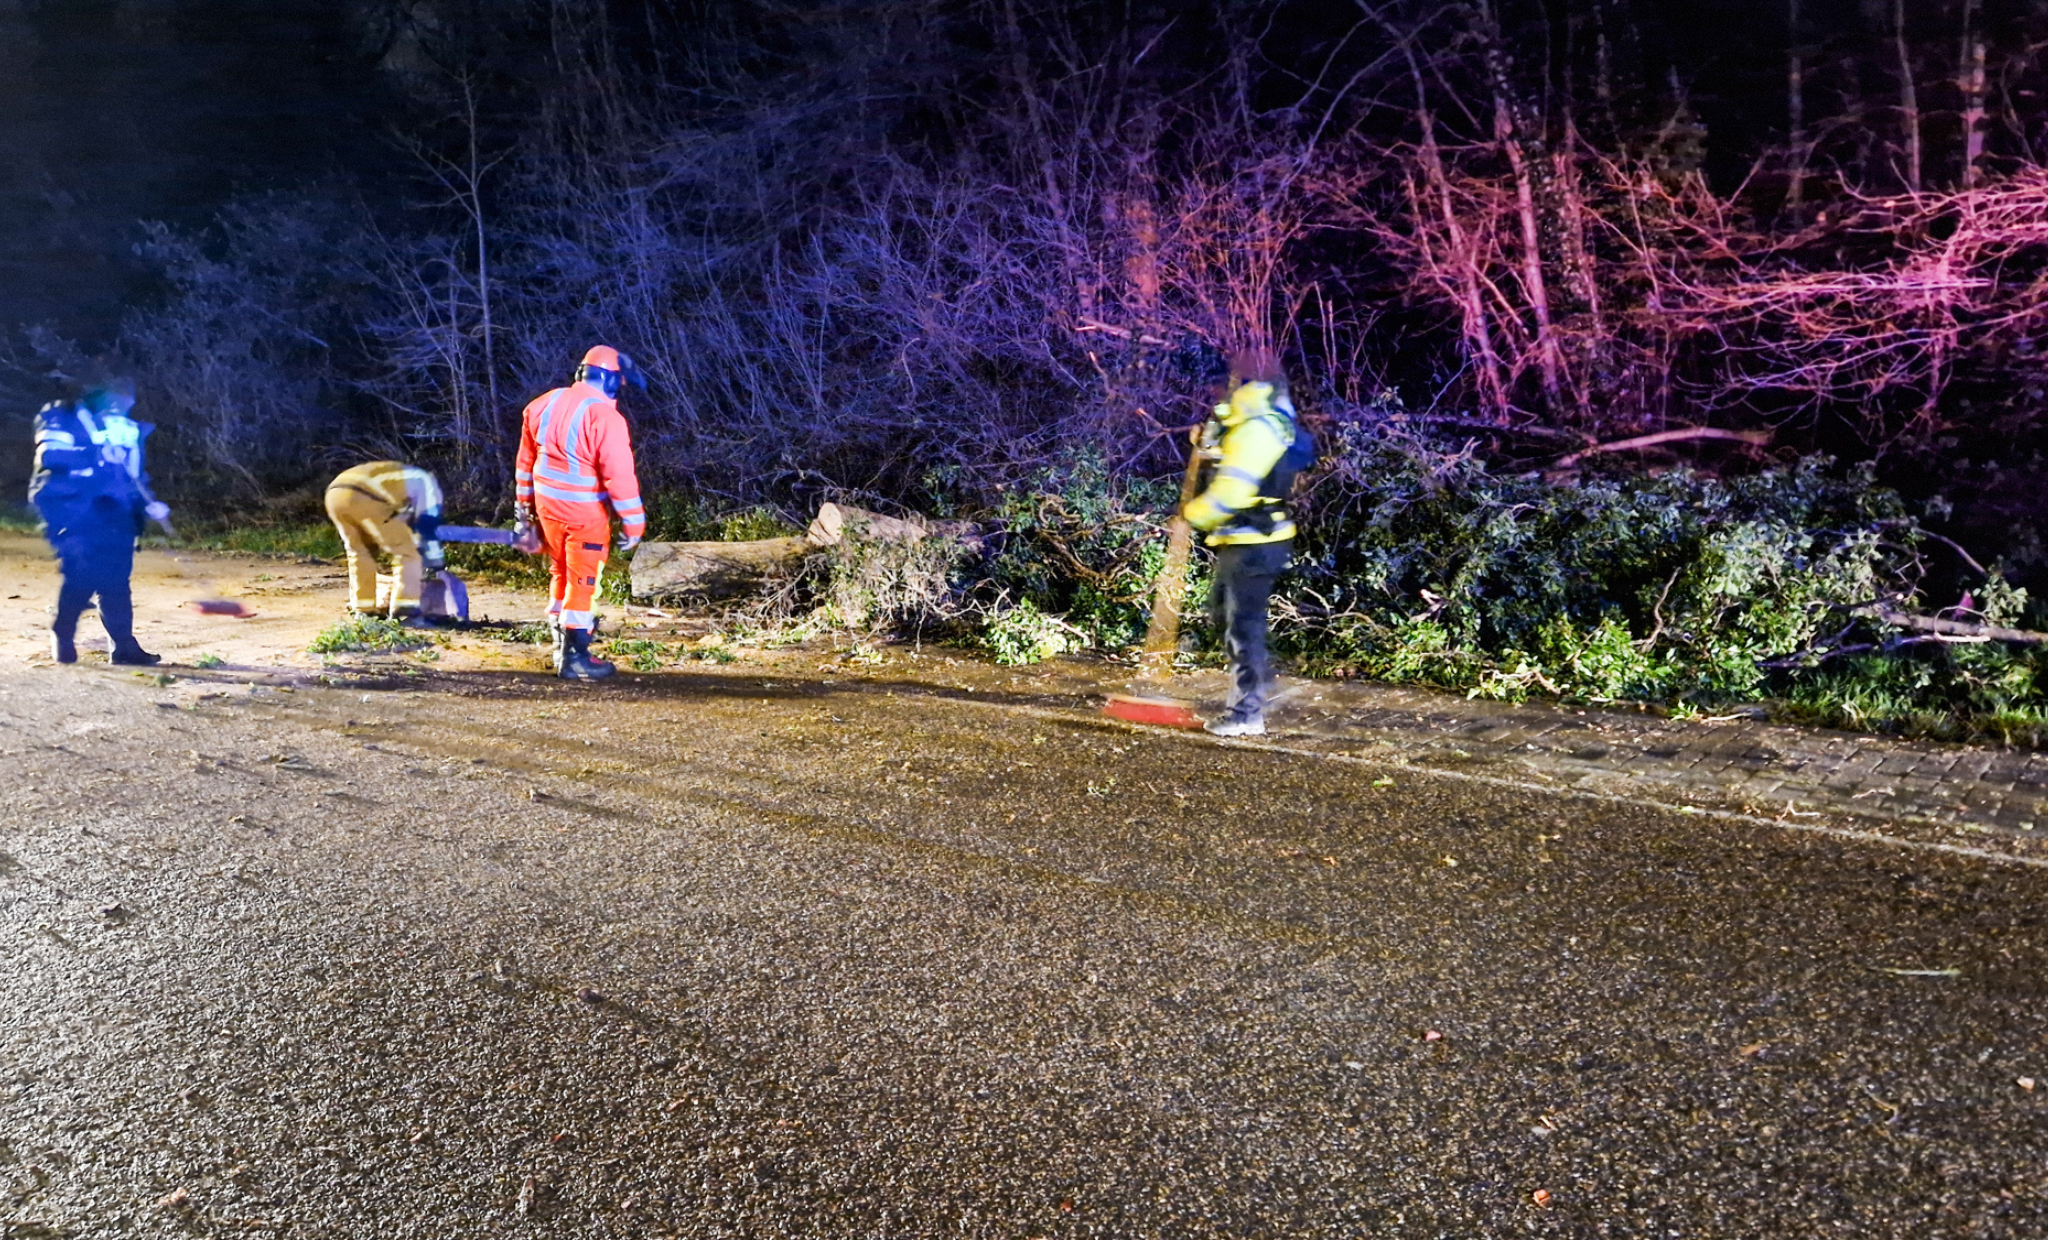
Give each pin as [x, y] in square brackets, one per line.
[117, 111]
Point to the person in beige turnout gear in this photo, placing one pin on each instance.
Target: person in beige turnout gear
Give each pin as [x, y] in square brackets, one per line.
[394, 508]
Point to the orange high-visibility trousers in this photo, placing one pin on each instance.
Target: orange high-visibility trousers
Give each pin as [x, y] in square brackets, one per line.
[576, 555]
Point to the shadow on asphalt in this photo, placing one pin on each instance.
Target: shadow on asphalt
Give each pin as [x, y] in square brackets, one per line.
[678, 686]
[650, 688]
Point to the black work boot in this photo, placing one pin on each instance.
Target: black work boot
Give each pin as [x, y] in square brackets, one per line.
[73, 598]
[130, 654]
[117, 613]
[414, 618]
[577, 661]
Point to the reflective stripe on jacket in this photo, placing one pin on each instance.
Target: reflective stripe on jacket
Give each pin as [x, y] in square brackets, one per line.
[81, 458]
[574, 454]
[1256, 435]
[412, 492]
[409, 490]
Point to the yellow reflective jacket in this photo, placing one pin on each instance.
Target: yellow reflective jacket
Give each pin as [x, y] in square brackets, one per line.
[1256, 435]
[412, 492]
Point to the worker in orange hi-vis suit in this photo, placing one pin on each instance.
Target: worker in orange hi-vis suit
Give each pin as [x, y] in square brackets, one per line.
[574, 456]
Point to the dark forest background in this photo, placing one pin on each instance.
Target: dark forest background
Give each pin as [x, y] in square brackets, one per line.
[912, 251]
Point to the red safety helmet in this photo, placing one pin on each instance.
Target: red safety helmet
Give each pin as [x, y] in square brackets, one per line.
[603, 367]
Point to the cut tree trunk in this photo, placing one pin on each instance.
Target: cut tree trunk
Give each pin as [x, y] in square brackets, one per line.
[712, 569]
[834, 521]
[828, 528]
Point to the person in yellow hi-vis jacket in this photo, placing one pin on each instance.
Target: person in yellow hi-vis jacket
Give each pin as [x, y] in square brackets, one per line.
[394, 508]
[1258, 446]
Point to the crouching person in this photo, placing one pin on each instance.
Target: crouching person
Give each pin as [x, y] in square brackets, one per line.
[393, 508]
[93, 494]
[1259, 448]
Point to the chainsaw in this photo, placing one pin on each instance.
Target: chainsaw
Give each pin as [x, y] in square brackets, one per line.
[443, 595]
[476, 534]
[521, 536]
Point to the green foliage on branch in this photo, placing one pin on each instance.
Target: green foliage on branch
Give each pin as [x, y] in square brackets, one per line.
[917, 586]
[368, 635]
[1951, 690]
[1422, 566]
[1020, 635]
[1082, 545]
[1426, 567]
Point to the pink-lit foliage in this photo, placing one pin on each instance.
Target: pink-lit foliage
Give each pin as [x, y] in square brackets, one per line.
[1680, 304]
[1952, 284]
[1603, 287]
[1687, 309]
[938, 279]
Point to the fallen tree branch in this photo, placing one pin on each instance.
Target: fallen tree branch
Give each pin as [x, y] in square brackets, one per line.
[662, 570]
[1950, 543]
[835, 521]
[1496, 428]
[1756, 438]
[1657, 611]
[1949, 628]
[1122, 333]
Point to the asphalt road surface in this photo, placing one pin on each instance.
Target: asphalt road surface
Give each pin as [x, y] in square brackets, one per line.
[748, 954]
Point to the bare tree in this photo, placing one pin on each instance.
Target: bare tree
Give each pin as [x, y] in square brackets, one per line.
[1970, 79]
[1795, 114]
[1909, 97]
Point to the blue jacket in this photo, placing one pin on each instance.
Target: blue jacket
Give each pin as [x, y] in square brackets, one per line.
[89, 468]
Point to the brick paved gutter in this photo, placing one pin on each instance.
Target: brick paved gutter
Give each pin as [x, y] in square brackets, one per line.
[1970, 796]
[1974, 799]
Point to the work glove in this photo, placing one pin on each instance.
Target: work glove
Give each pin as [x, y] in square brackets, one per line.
[159, 512]
[525, 535]
[626, 544]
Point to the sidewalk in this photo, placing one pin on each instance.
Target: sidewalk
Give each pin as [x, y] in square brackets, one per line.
[1743, 764]
[1957, 793]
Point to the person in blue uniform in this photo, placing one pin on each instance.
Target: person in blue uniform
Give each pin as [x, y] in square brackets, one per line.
[92, 490]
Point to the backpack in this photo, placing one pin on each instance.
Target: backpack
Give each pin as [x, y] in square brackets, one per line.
[1298, 459]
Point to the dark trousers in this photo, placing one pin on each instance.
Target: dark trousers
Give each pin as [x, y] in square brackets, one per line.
[96, 558]
[1245, 574]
